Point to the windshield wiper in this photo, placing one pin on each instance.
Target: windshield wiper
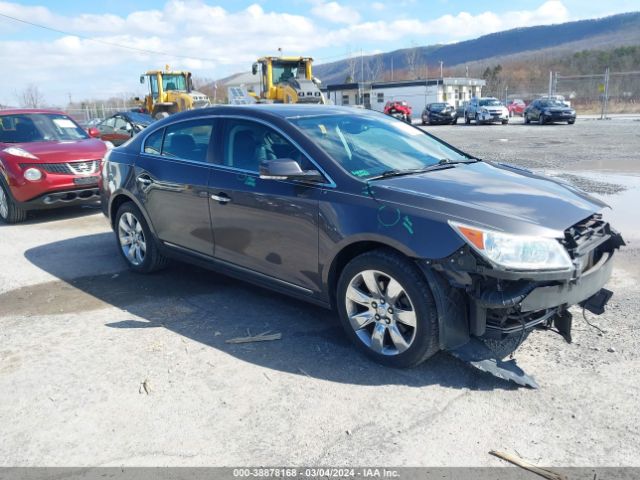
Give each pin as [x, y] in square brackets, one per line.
[441, 165]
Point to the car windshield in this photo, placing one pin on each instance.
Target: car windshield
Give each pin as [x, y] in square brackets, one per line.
[489, 102]
[436, 107]
[552, 103]
[140, 118]
[39, 127]
[369, 145]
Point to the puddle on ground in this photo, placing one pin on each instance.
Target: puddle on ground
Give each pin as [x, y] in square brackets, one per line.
[620, 191]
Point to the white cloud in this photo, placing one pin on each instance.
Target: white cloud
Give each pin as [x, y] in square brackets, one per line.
[335, 12]
[220, 41]
[378, 6]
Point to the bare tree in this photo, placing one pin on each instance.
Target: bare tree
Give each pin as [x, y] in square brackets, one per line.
[375, 66]
[31, 97]
[411, 58]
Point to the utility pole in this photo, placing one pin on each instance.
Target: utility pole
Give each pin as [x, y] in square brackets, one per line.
[550, 83]
[392, 67]
[506, 94]
[605, 102]
[441, 63]
[361, 78]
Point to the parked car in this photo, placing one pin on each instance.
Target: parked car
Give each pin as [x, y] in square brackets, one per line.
[416, 244]
[516, 107]
[549, 111]
[46, 160]
[121, 126]
[398, 109]
[439, 113]
[486, 110]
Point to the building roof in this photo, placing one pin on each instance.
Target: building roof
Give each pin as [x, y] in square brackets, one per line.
[238, 79]
[409, 83]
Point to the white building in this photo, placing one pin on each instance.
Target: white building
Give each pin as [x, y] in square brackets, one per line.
[417, 93]
[246, 80]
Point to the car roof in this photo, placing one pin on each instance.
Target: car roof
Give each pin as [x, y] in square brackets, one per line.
[270, 110]
[17, 111]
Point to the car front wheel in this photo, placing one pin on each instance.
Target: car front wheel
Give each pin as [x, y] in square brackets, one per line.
[526, 119]
[136, 242]
[388, 309]
[10, 212]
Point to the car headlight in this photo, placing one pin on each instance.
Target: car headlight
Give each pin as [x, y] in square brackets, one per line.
[518, 252]
[19, 152]
[32, 174]
[484, 110]
[547, 112]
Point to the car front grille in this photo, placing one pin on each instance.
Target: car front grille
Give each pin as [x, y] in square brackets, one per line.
[585, 240]
[82, 167]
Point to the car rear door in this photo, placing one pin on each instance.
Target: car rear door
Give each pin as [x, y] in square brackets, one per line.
[266, 226]
[171, 178]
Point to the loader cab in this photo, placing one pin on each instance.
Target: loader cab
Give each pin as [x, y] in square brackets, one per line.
[162, 81]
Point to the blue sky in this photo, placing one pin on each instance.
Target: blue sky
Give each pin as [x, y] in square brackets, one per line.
[224, 37]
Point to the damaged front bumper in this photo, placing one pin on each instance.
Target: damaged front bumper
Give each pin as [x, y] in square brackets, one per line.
[501, 307]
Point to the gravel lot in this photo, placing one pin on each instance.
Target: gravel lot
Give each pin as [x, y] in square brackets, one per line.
[81, 338]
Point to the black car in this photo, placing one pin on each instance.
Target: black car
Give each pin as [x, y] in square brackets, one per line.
[121, 126]
[417, 245]
[439, 114]
[549, 111]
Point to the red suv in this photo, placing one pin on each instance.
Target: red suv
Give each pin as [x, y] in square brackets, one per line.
[46, 161]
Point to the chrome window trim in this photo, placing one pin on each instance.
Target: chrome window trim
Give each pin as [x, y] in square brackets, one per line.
[330, 183]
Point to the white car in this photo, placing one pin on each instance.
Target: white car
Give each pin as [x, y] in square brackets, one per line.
[486, 110]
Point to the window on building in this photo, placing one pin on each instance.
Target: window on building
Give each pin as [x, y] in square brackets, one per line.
[381, 97]
[345, 99]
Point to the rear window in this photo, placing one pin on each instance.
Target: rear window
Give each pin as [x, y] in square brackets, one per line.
[39, 127]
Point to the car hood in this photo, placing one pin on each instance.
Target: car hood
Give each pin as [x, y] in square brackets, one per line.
[62, 151]
[491, 195]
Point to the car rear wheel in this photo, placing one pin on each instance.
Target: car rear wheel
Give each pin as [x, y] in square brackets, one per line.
[10, 212]
[526, 119]
[467, 120]
[388, 309]
[571, 122]
[136, 242]
[477, 119]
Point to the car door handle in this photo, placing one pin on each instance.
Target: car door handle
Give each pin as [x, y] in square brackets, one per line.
[221, 197]
[144, 180]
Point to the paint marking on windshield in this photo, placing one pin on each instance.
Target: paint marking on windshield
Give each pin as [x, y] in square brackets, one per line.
[360, 173]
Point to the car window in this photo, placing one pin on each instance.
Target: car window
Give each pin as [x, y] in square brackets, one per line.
[247, 144]
[110, 122]
[153, 143]
[38, 127]
[121, 124]
[188, 140]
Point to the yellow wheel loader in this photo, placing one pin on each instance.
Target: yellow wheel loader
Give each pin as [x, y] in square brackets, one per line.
[171, 92]
[287, 80]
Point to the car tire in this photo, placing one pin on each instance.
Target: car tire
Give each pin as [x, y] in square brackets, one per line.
[135, 241]
[409, 120]
[504, 122]
[455, 121]
[10, 212]
[467, 120]
[571, 122]
[371, 318]
[541, 119]
[477, 119]
[527, 121]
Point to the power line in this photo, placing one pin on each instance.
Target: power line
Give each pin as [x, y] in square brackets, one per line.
[105, 42]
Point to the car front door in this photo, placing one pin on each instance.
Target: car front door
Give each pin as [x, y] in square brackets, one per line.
[267, 226]
[122, 131]
[171, 179]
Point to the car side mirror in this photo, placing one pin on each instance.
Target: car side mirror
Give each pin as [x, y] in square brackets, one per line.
[287, 169]
[254, 68]
[93, 132]
[141, 79]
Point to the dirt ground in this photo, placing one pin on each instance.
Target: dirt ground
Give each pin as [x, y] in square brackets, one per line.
[101, 367]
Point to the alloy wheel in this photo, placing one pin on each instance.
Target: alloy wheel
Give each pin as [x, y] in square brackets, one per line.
[4, 204]
[132, 239]
[381, 312]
